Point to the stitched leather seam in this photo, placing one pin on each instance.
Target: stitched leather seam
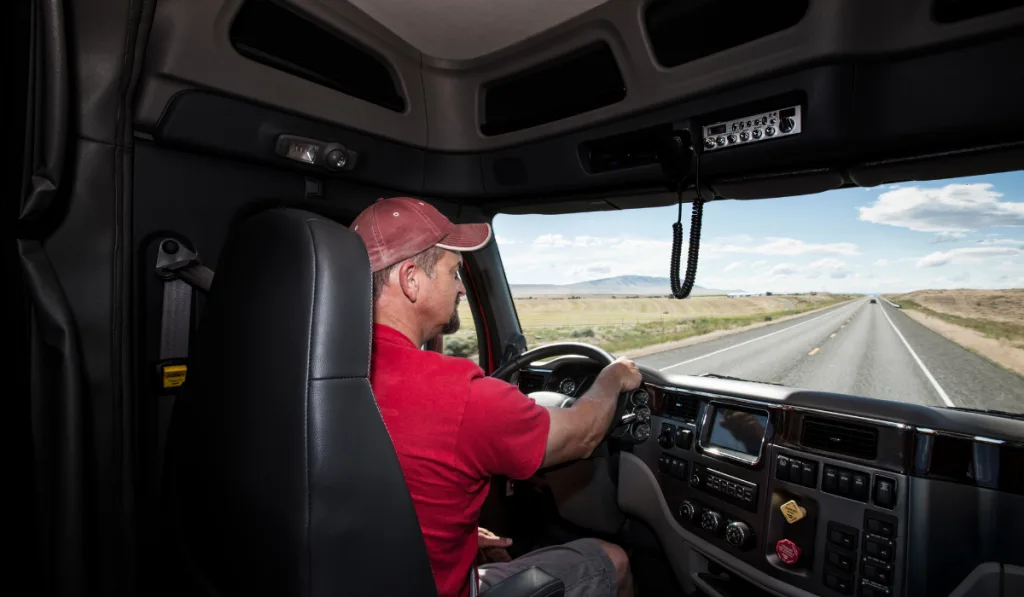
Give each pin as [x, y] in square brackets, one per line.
[305, 425]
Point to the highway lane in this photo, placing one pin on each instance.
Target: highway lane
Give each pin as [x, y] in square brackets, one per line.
[856, 348]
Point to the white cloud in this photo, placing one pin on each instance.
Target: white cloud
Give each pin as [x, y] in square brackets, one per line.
[952, 208]
[505, 241]
[592, 270]
[758, 263]
[834, 268]
[1002, 241]
[782, 270]
[551, 241]
[732, 266]
[965, 255]
[881, 262]
[948, 237]
[784, 246]
[590, 241]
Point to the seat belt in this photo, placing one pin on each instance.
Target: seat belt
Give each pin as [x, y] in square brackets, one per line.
[181, 272]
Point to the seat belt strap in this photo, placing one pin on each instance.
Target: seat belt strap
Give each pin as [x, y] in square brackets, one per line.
[181, 272]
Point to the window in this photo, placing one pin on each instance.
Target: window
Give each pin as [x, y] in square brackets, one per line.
[911, 292]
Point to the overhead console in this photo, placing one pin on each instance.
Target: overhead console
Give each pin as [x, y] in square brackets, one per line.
[801, 499]
[852, 86]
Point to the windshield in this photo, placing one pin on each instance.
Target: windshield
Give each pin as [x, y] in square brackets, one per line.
[909, 292]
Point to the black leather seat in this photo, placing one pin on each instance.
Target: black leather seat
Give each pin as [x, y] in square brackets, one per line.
[281, 477]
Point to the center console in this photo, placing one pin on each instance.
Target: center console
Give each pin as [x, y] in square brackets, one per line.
[813, 499]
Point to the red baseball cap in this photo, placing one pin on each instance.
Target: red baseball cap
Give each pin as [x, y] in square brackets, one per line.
[395, 229]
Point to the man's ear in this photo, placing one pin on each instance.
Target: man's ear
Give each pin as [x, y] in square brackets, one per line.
[409, 280]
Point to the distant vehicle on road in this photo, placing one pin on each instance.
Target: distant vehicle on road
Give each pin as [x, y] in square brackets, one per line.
[873, 301]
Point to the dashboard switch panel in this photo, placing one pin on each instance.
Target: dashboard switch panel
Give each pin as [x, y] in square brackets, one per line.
[796, 470]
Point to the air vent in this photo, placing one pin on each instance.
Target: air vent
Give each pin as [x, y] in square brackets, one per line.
[530, 382]
[573, 84]
[951, 11]
[681, 32]
[681, 406]
[269, 33]
[840, 437]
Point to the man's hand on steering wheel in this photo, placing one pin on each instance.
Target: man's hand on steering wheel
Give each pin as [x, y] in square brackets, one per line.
[624, 373]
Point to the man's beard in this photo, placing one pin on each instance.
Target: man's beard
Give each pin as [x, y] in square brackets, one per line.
[453, 324]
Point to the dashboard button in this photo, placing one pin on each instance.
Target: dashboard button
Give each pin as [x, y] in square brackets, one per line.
[867, 590]
[859, 487]
[795, 470]
[880, 528]
[838, 583]
[877, 549]
[782, 468]
[809, 477]
[788, 551]
[840, 560]
[885, 492]
[879, 573]
[829, 477]
[684, 438]
[842, 535]
[844, 483]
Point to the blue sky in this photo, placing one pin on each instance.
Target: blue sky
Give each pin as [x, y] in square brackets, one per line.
[957, 233]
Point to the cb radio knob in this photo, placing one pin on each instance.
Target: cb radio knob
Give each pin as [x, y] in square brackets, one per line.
[786, 125]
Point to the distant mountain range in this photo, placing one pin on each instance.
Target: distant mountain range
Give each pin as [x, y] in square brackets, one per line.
[618, 285]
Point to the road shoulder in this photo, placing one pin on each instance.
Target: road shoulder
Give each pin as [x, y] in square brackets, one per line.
[997, 351]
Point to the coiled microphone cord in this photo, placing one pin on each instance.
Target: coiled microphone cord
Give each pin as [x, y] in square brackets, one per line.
[681, 291]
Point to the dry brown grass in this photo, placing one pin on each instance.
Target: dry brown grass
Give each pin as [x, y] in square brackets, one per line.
[996, 314]
[563, 311]
[993, 305]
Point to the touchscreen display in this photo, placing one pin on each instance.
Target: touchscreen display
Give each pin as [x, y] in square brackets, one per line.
[738, 430]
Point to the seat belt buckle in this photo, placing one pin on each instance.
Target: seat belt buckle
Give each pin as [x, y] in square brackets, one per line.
[171, 375]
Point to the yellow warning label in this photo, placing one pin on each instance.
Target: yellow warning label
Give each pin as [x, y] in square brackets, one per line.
[174, 376]
[793, 511]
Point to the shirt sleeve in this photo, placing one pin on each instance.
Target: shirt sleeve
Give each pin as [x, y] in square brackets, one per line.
[503, 431]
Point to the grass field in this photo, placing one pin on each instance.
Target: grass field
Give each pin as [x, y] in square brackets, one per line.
[617, 324]
[997, 314]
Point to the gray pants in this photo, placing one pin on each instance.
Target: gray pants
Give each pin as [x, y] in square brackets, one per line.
[583, 566]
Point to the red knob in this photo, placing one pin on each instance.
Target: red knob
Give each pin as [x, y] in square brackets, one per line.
[788, 551]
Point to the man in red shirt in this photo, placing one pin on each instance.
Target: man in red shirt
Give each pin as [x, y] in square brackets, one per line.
[452, 426]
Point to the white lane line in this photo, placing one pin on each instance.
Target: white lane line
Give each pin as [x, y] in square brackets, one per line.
[711, 354]
[927, 373]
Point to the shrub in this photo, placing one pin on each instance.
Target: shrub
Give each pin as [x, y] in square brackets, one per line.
[456, 346]
[582, 333]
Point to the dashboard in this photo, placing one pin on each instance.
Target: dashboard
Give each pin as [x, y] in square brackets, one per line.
[794, 492]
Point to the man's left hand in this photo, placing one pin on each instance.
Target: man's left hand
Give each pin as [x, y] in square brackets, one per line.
[486, 538]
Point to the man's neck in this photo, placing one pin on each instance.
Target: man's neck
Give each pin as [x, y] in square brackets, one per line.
[406, 328]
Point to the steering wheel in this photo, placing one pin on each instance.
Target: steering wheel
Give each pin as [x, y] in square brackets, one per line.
[558, 349]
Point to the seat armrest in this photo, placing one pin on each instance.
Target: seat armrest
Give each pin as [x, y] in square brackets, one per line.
[532, 582]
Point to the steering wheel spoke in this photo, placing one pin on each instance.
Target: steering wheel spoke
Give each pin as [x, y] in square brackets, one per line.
[627, 424]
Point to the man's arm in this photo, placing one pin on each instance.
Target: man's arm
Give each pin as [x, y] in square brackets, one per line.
[575, 432]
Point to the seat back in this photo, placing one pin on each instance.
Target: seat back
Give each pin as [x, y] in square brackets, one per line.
[282, 478]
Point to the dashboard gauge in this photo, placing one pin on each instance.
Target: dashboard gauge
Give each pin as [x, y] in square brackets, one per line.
[641, 431]
[643, 414]
[567, 386]
[641, 397]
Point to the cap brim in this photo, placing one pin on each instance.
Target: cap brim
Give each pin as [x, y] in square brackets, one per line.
[467, 237]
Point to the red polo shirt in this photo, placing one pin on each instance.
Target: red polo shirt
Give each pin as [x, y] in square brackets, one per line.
[453, 428]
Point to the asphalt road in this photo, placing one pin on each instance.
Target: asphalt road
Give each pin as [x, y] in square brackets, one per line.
[856, 348]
